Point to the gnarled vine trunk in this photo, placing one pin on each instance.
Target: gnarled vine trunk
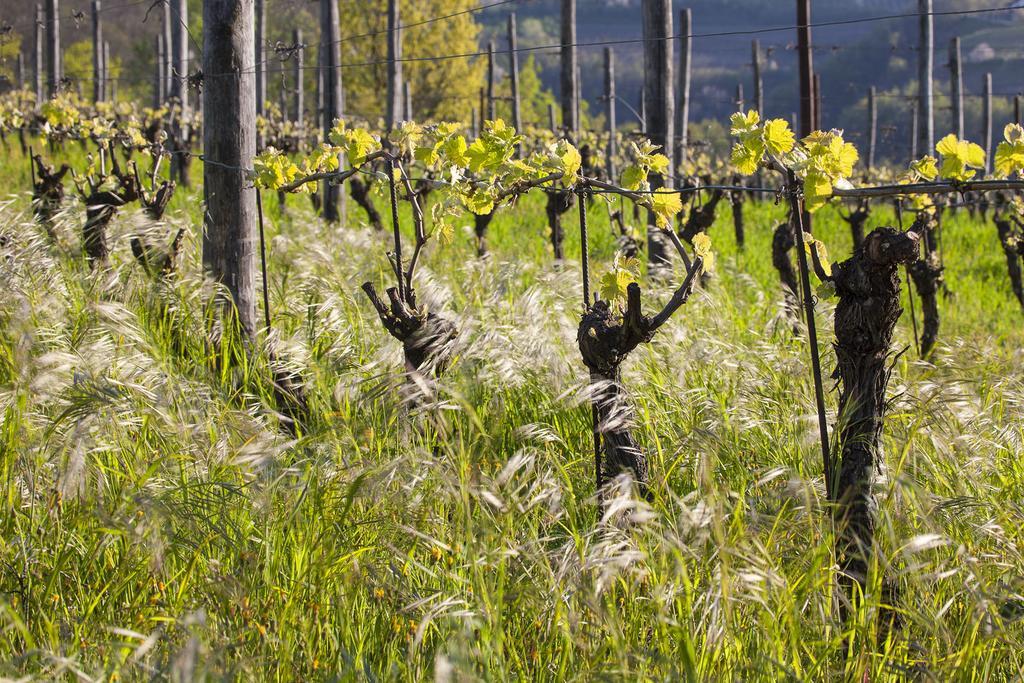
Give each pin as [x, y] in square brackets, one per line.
[558, 203]
[480, 224]
[1013, 247]
[604, 343]
[868, 287]
[361, 193]
[783, 241]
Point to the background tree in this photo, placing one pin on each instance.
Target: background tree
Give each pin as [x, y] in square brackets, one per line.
[445, 89]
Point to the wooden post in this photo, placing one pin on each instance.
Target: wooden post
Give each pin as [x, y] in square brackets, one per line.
[579, 95]
[956, 82]
[1016, 109]
[987, 122]
[407, 102]
[803, 19]
[394, 104]
[298, 72]
[925, 70]
[915, 121]
[178, 88]
[816, 85]
[643, 111]
[552, 119]
[513, 65]
[491, 108]
[229, 133]
[609, 96]
[109, 85]
[168, 41]
[37, 55]
[483, 107]
[683, 113]
[475, 122]
[97, 53]
[320, 81]
[658, 88]
[53, 54]
[739, 97]
[334, 99]
[569, 90]
[872, 127]
[159, 95]
[259, 45]
[19, 71]
[755, 50]
[179, 52]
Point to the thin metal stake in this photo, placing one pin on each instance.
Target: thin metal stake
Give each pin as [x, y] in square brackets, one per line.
[584, 247]
[263, 261]
[812, 333]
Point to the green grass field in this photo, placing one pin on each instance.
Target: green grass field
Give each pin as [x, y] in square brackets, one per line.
[158, 524]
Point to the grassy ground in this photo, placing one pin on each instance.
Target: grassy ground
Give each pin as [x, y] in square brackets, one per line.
[158, 524]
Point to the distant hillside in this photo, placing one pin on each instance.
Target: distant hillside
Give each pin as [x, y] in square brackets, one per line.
[849, 57]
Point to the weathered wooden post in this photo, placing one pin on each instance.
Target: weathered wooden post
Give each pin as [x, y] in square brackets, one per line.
[259, 54]
[803, 19]
[491, 107]
[109, 84]
[229, 138]
[53, 53]
[168, 57]
[37, 55]
[394, 103]
[333, 97]
[300, 92]
[97, 53]
[552, 118]
[872, 127]
[643, 111]
[987, 122]
[1016, 109]
[513, 65]
[956, 87]
[19, 71]
[739, 97]
[915, 121]
[609, 96]
[683, 113]
[658, 89]
[569, 70]
[925, 69]
[179, 52]
[755, 53]
[159, 82]
[407, 114]
[816, 85]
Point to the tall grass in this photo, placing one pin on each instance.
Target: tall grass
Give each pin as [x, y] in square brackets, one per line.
[158, 524]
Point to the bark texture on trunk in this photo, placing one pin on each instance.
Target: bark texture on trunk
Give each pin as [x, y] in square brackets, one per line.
[868, 288]
[480, 224]
[558, 203]
[361, 194]
[927, 274]
[426, 337]
[1012, 240]
[783, 242]
[604, 341]
[856, 219]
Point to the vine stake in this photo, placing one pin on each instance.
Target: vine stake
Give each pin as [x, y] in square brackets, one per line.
[812, 332]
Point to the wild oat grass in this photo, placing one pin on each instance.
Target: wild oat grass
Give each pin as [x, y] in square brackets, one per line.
[158, 523]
